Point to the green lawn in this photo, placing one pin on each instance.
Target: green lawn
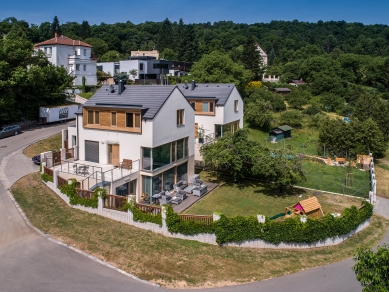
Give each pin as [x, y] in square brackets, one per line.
[332, 179]
[304, 139]
[252, 197]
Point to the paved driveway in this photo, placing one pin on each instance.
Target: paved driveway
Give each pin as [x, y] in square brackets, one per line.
[31, 262]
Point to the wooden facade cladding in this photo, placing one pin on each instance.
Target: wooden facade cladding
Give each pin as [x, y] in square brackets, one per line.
[199, 107]
[105, 120]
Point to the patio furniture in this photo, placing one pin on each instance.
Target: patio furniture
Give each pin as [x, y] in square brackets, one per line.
[165, 200]
[181, 194]
[156, 197]
[192, 178]
[197, 182]
[126, 163]
[176, 200]
[75, 171]
[200, 191]
[180, 185]
[83, 169]
[189, 189]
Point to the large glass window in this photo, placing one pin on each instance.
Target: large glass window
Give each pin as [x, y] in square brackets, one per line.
[182, 172]
[205, 106]
[132, 187]
[130, 120]
[147, 186]
[154, 158]
[180, 149]
[168, 179]
[146, 159]
[157, 184]
[161, 156]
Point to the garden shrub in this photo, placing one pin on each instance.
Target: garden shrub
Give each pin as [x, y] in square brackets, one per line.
[143, 217]
[291, 230]
[70, 191]
[45, 177]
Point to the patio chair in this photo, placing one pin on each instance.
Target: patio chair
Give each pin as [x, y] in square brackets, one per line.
[75, 170]
[200, 191]
[181, 194]
[86, 169]
[164, 200]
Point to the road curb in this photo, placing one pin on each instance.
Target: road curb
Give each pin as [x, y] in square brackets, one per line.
[7, 184]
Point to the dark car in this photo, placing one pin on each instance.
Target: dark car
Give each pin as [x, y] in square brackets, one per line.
[11, 130]
[37, 159]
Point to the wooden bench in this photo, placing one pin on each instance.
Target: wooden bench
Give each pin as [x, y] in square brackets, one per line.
[126, 163]
[340, 160]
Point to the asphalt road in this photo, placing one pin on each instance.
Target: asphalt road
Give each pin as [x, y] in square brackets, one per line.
[31, 262]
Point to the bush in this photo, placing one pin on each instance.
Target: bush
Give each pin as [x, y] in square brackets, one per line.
[292, 118]
[292, 230]
[312, 110]
[70, 191]
[143, 217]
[45, 177]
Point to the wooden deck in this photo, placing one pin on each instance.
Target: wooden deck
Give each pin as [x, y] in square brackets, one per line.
[190, 200]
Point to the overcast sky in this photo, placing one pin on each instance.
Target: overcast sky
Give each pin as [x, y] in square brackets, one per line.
[197, 11]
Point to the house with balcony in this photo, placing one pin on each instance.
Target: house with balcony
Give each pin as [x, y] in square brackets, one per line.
[218, 109]
[133, 140]
[74, 55]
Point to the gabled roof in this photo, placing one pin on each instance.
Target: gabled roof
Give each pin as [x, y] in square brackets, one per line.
[63, 40]
[298, 81]
[282, 89]
[149, 98]
[285, 128]
[219, 91]
[310, 204]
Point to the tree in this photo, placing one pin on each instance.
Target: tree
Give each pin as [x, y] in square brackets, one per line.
[99, 46]
[372, 268]
[55, 27]
[251, 58]
[168, 54]
[217, 67]
[133, 73]
[292, 118]
[85, 30]
[281, 166]
[111, 56]
[120, 76]
[165, 36]
[298, 98]
[232, 153]
[259, 113]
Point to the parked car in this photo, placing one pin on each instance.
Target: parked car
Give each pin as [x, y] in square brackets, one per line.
[37, 159]
[10, 131]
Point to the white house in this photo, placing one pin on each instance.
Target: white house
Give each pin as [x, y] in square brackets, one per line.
[263, 55]
[74, 55]
[152, 126]
[218, 109]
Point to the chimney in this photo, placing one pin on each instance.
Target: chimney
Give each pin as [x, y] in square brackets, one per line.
[121, 87]
[193, 85]
[56, 34]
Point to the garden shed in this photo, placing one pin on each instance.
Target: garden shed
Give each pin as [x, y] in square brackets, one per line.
[279, 133]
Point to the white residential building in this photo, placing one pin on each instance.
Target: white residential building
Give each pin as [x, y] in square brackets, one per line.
[74, 55]
[150, 125]
[218, 109]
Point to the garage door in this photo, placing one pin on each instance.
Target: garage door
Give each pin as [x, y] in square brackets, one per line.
[92, 151]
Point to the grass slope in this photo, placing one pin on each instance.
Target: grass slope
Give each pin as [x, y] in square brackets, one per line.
[167, 261]
[51, 143]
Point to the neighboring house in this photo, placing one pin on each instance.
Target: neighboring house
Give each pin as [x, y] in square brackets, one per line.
[74, 55]
[283, 91]
[153, 53]
[148, 69]
[263, 54]
[218, 109]
[151, 126]
[298, 82]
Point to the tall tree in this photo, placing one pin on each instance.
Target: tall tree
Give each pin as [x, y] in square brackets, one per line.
[165, 36]
[55, 27]
[85, 30]
[251, 58]
[190, 44]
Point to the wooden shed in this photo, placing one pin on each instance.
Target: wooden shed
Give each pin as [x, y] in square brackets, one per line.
[279, 133]
[309, 207]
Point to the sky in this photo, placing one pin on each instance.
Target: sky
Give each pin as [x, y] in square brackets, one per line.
[197, 11]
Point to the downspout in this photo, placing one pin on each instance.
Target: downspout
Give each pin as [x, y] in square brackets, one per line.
[77, 140]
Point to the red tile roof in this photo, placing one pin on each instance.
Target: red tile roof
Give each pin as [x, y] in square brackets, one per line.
[62, 40]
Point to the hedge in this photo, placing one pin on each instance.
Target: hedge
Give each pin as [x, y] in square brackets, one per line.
[143, 217]
[70, 191]
[291, 230]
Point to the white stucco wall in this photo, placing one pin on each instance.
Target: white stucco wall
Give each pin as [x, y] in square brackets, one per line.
[128, 65]
[108, 67]
[230, 114]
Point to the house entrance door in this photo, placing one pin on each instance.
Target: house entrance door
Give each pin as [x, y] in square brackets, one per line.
[113, 154]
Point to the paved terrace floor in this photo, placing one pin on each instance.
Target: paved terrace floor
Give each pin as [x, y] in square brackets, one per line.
[191, 199]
